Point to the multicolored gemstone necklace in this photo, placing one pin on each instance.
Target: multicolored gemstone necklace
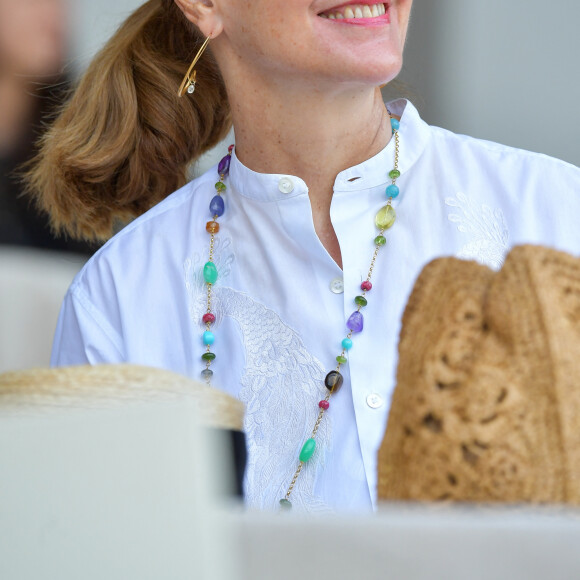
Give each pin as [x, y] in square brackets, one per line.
[384, 219]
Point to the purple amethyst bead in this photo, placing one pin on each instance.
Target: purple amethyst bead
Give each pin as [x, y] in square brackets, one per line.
[355, 322]
[217, 206]
[224, 165]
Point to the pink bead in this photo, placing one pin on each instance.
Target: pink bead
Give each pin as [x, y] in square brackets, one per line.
[230, 149]
[366, 286]
[209, 318]
[324, 405]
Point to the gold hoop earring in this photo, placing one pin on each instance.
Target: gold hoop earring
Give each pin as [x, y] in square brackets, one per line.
[188, 82]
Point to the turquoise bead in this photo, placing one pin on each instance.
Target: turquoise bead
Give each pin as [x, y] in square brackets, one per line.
[392, 191]
[347, 344]
[395, 124]
[208, 337]
[210, 273]
[307, 450]
[285, 504]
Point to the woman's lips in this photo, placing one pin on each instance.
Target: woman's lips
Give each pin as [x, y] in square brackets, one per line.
[358, 13]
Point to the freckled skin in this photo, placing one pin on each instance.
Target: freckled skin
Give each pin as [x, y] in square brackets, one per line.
[304, 89]
[285, 37]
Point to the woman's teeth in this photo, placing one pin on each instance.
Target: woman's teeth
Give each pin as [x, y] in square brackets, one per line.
[355, 11]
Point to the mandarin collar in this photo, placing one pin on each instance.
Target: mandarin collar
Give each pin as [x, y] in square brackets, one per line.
[271, 187]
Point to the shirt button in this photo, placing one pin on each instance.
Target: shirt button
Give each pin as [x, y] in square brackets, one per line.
[375, 401]
[285, 185]
[337, 286]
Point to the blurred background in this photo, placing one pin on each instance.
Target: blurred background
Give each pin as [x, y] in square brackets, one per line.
[34, 77]
[503, 70]
[497, 70]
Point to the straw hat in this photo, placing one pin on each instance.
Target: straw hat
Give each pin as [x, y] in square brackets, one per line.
[106, 386]
[487, 405]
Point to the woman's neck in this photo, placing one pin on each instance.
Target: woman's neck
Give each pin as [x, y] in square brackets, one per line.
[311, 135]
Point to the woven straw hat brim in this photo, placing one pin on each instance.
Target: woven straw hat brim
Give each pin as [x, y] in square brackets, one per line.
[487, 403]
[106, 386]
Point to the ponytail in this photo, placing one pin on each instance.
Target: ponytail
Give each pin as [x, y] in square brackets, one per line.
[125, 139]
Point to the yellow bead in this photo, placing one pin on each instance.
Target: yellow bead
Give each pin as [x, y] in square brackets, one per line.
[385, 218]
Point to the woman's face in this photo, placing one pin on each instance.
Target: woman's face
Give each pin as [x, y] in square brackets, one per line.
[316, 40]
[32, 37]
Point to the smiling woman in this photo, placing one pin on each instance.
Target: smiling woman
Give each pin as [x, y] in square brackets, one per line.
[281, 274]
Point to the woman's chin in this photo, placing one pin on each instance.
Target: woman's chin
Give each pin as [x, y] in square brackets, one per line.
[372, 74]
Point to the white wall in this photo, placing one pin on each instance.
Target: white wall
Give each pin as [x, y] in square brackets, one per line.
[505, 70]
[92, 23]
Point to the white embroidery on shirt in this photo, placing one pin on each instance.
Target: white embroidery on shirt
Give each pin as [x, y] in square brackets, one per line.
[485, 226]
[281, 386]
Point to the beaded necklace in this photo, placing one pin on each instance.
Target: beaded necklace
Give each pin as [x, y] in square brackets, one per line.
[384, 219]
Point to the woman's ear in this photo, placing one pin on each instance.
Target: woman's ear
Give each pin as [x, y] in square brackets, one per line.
[204, 14]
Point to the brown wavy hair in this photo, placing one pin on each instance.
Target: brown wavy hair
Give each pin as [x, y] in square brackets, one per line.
[124, 140]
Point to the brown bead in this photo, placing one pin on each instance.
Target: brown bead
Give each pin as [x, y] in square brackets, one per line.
[212, 227]
[333, 381]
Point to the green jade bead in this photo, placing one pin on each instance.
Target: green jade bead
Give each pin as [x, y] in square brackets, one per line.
[210, 273]
[360, 301]
[307, 450]
[380, 241]
[220, 186]
[285, 504]
[341, 359]
[394, 174]
[208, 356]
[385, 218]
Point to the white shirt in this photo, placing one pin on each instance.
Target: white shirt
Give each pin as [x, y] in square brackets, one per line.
[279, 325]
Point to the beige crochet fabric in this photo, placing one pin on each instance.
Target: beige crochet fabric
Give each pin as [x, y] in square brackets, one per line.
[105, 386]
[487, 405]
